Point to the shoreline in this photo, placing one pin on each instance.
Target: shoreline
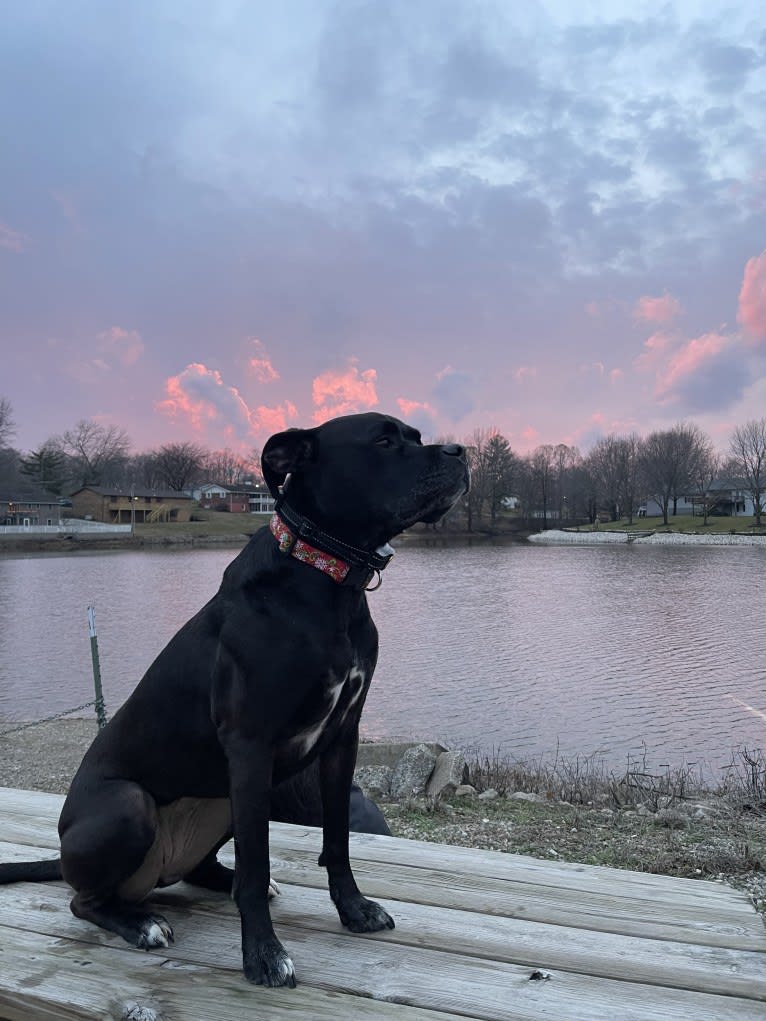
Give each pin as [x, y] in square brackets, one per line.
[563, 537]
[665, 824]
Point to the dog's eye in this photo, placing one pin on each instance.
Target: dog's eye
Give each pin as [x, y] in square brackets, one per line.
[384, 441]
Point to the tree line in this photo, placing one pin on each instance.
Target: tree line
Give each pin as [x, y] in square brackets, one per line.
[554, 482]
[92, 454]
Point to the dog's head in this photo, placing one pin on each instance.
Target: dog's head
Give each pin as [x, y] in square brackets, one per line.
[365, 478]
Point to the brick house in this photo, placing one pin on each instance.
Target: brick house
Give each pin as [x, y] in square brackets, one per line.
[245, 499]
[118, 506]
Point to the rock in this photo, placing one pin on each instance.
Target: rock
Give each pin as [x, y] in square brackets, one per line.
[412, 771]
[671, 818]
[450, 771]
[375, 781]
[526, 796]
[489, 795]
[465, 790]
[388, 753]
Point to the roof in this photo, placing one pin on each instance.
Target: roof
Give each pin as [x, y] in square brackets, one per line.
[165, 494]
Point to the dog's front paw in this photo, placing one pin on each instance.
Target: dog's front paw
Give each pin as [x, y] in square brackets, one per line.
[362, 915]
[268, 964]
[154, 931]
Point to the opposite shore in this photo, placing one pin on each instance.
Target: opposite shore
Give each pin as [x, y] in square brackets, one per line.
[644, 538]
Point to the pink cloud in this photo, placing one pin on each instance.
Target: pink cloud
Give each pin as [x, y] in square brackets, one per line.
[200, 395]
[409, 408]
[12, 239]
[273, 420]
[657, 310]
[260, 364]
[342, 393]
[123, 346]
[752, 298]
[615, 375]
[525, 372]
[656, 348]
[694, 356]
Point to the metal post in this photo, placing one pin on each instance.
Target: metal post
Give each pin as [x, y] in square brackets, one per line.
[100, 708]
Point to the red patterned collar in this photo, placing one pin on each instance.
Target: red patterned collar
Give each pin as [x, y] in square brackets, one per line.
[290, 543]
[347, 565]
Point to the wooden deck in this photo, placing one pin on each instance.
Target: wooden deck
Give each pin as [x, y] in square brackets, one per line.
[472, 929]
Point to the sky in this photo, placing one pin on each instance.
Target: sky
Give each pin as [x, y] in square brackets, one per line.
[219, 220]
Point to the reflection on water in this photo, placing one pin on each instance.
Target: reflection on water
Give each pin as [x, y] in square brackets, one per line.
[524, 650]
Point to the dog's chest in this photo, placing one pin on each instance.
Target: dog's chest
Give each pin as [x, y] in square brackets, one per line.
[339, 697]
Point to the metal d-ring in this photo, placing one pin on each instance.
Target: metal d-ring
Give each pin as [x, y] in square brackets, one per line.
[373, 588]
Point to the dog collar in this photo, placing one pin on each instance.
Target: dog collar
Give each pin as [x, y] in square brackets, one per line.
[346, 565]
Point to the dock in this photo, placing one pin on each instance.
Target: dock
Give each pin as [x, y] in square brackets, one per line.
[479, 935]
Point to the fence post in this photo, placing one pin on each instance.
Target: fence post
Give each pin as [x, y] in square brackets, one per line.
[100, 708]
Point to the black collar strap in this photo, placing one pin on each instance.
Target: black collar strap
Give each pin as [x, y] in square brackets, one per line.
[348, 565]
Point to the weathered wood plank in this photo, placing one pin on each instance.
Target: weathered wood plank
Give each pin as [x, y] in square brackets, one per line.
[36, 807]
[530, 945]
[45, 978]
[446, 982]
[717, 925]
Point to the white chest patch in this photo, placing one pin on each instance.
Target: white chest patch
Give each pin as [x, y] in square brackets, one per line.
[351, 688]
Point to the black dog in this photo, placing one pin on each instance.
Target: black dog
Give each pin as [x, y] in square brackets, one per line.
[271, 674]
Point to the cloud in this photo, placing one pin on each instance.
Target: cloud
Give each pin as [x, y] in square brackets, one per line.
[260, 364]
[657, 310]
[273, 420]
[113, 349]
[200, 395]
[752, 298]
[122, 346]
[525, 372]
[11, 239]
[343, 393]
[707, 373]
[418, 414]
[656, 348]
[453, 393]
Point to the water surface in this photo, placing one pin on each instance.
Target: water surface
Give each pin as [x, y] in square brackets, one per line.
[609, 651]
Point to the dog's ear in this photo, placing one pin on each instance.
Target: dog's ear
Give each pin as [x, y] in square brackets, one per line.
[284, 453]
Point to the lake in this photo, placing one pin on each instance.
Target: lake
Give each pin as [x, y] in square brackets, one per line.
[529, 651]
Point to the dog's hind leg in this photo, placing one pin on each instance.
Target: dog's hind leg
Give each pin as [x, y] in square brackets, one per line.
[110, 855]
[210, 874]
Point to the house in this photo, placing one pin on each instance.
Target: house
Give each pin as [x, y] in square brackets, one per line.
[727, 497]
[32, 508]
[248, 498]
[117, 505]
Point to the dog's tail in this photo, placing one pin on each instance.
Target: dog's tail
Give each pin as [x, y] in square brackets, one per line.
[31, 871]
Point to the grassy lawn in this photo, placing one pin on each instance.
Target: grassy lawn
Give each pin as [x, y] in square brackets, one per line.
[213, 523]
[684, 523]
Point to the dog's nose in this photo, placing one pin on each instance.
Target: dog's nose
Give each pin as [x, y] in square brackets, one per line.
[453, 449]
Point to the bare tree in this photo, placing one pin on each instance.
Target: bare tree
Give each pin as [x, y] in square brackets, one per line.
[93, 451]
[565, 460]
[748, 450]
[7, 424]
[179, 464]
[542, 475]
[614, 467]
[705, 471]
[230, 469]
[605, 465]
[668, 463]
